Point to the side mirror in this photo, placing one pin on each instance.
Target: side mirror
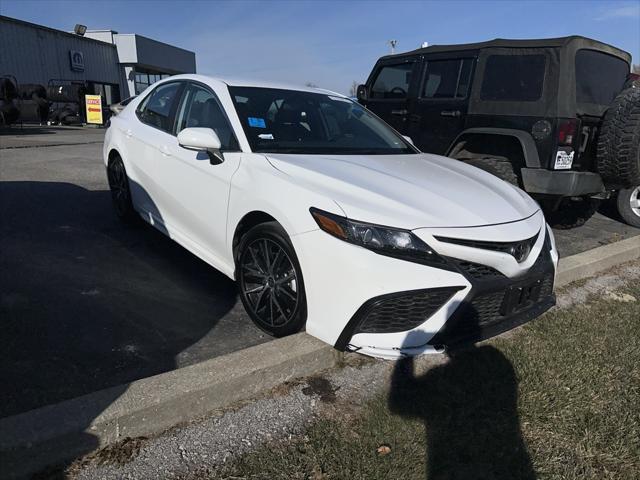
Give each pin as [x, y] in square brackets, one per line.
[202, 139]
[362, 93]
[408, 139]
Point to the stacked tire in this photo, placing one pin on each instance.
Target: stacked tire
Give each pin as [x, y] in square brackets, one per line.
[9, 113]
[34, 105]
[619, 153]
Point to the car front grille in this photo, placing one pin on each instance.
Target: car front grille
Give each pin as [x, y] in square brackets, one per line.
[477, 270]
[402, 311]
[486, 310]
[519, 250]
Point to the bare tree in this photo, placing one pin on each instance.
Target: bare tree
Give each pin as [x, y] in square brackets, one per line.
[353, 91]
[311, 85]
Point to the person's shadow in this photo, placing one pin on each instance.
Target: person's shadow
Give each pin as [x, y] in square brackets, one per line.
[469, 406]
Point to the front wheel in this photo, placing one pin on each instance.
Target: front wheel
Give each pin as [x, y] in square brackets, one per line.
[270, 280]
[120, 191]
[628, 203]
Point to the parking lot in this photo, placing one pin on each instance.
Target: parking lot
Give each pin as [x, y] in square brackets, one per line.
[87, 303]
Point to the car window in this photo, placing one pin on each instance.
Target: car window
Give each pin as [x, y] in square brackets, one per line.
[156, 110]
[200, 108]
[599, 77]
[447, 78]
[393, 81]
[291, 121]
[513, 78]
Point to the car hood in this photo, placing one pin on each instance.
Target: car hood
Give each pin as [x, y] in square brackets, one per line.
[409, 191]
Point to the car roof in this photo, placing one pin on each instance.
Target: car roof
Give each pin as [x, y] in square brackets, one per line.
[242, 82]
[517, 43]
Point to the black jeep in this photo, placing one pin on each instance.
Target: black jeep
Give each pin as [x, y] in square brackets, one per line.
[530, 111]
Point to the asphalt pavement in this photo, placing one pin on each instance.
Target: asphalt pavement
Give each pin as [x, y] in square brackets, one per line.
[88, 303]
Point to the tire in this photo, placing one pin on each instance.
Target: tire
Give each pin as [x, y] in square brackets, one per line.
[628, 205]
[501, 168]
[270, 280]
[619, 141]
[571, 213]
[120, 190]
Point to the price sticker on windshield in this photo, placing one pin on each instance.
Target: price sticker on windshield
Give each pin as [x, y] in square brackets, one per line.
[564, 160]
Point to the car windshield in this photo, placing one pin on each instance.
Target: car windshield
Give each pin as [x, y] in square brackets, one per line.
[290, 121]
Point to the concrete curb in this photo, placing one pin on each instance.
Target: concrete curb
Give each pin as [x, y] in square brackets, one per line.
[587, 264]
[53, 434]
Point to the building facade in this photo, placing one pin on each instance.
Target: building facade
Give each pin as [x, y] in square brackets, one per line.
[110, 64]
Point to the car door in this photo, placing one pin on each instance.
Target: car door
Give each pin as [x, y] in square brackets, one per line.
[154, 124]
[391, 86]
[195, 192]
[438, 113]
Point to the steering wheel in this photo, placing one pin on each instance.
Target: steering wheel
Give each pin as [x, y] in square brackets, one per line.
[398, 91]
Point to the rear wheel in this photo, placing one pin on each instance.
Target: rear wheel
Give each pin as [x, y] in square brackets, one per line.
[270, 280]
[571, 212]
[628, 203]
[500, 167]
[120, 191]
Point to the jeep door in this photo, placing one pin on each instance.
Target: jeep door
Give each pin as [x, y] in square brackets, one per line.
[438, 113]
[391, 85]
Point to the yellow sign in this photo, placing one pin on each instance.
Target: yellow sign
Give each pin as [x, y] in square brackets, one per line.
[93, 104]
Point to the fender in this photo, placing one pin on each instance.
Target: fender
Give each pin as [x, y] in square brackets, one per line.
[529, 148]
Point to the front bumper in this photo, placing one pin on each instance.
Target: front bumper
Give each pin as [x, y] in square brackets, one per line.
[345, 282]
[562, 183]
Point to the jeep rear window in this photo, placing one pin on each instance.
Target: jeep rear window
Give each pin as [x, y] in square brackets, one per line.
[392, 81]
[517, 78]
[599, 77]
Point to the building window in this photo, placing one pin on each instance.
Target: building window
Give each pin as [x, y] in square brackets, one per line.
[144, 79]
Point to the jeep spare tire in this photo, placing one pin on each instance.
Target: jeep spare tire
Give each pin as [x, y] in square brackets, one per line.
[619, 141]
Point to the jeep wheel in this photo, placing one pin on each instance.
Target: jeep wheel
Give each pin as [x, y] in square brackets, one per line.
[619, 142]
[628, 203]
[571, 212]
[501, 168]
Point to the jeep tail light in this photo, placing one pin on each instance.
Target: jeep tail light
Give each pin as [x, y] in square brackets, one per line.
[567, 131]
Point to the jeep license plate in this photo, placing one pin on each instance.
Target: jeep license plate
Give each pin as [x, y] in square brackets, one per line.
[564, 160]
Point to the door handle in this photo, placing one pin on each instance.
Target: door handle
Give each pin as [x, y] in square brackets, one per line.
[403, 111]
[450, 113]
[165, 151]
[129, 133]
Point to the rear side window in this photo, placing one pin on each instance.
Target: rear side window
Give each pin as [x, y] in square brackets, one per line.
[393, 81]
[447, 78]
[517, 78]
[157, 109]
[599, 77]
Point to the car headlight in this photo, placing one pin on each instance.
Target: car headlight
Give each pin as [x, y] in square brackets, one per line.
[392, 242]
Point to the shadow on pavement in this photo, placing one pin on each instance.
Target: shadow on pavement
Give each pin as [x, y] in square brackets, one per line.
[86, 303]
[469, 409]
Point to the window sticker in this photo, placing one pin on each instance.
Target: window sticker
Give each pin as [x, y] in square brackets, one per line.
[256, 122]
[265, 136]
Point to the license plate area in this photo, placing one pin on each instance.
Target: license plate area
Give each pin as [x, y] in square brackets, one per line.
[521, 297]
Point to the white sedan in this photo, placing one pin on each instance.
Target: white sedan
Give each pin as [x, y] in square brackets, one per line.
[327, 218]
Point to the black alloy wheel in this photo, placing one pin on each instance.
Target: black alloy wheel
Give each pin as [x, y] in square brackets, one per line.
[120, 191]
[270, 280]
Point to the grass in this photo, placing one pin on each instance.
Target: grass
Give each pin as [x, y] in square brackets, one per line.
[559, 400]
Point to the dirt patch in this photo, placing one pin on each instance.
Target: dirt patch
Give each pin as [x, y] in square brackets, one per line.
[120, 453]
[321, 387]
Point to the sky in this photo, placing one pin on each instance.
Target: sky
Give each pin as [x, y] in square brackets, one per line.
[331, 43]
